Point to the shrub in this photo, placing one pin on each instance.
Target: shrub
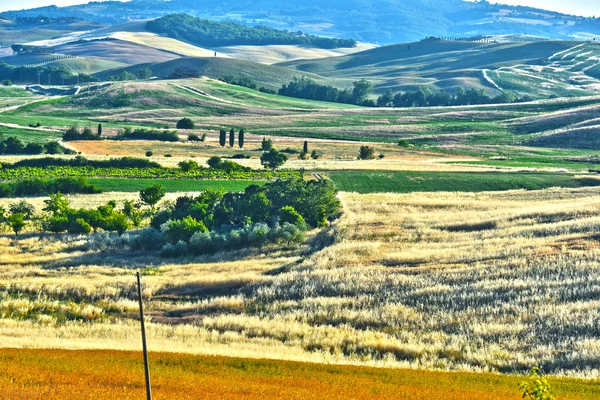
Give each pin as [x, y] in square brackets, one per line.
[366, 153]
[267, 144]
[189, 165]
[147, 134]
[194, 138]
[177, 250]
[17, 222]
[79, 226]
[152, 195]
[536, 387]
[273, 159]
[289, 215]
[185, 123]
[183, 229]
[149, 240]
[149, 154]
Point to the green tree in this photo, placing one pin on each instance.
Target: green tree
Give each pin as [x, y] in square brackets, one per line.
[366, 153]
[117, 222]
[222, 137]
[305, 147]
[536, 387]
[361, 90]
[56, 204]
[386, 99]
[291, 216]
[314, 155]
[152, 195]
[189, 165]
[267, 144]
[24, 208]
[17, 222]
[183, 229]
[144, 73]
[231, 137]
[273, 159]
[132, 211]
[99, 129]
[185, 123]
[53, 148]
[241, 138]
[214, 162]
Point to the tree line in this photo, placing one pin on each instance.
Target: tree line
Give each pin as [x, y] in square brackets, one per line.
[47, 74]
[209, 33]
[14, 146]
[213, 221]
[306, 88]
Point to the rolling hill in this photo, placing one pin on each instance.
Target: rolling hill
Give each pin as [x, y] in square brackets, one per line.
[382, 22]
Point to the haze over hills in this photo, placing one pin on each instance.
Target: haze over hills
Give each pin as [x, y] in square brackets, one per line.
[381, 22]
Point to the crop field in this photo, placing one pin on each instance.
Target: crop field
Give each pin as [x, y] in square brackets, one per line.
[116, 375]
[135, 185]
[489, 281]
[407, 182]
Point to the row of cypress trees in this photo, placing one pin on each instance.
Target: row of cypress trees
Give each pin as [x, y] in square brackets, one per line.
[223, 138]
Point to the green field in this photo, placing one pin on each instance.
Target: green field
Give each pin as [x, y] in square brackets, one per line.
[29, 135]
[135, 185]
[407, 182]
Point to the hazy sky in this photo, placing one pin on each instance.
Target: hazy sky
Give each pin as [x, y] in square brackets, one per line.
[580, 7]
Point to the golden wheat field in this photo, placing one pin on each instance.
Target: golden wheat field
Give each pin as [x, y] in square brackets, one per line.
[463, 282]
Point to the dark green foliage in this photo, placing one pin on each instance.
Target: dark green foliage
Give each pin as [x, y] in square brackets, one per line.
[149, 154]
[194, 138]
[147, 134]
[54, 148]
[241, 138]
[57, 74]
[22, 207]
[314, 155]
[73, 134]
[306, 88]
[305, 147]
[124, 162]
[266, 145]
[33, 148]
[144, 73]
[152, 195]
[42, 187]
[273, 159]
[366, 153]
[222, 137]
[185, 123]
[217, 163]
[99, 129]
[424, 97]
[209, 33]
[17, 222]
[231, 137]
[189, 165]
[289, 215]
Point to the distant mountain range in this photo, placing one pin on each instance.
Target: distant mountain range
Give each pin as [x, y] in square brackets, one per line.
[374, 21]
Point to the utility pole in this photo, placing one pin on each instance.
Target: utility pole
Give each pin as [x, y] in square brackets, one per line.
[146, 367]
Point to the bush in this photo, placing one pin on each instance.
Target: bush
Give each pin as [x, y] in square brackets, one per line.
[185, 123]
[179, 249]
[266, 145]
[147, 134]
[289, 215]
[182, 230]
[189, 165]
[149, 154]
[149, 240]
[273, 159]
[366, 153]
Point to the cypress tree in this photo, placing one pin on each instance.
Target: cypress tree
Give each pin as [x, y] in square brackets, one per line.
[305, 148]
[231, 137]
[99, 129]
[223, 138]
[241, 138]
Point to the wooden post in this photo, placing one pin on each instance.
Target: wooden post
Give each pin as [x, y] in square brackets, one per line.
[146, 367]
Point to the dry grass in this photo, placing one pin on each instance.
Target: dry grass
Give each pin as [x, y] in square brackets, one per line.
[47, 374]
[465, 282]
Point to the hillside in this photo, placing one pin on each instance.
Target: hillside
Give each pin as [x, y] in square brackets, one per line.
[538, 69]
[382, 22]
[216, 67]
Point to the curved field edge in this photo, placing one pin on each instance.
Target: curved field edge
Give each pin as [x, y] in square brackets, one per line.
[119, 375]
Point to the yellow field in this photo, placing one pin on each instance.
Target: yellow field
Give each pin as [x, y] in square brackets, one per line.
[464, 282]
